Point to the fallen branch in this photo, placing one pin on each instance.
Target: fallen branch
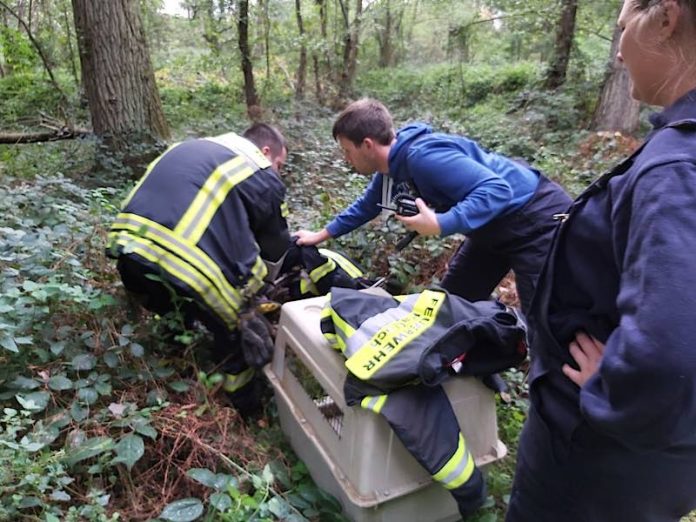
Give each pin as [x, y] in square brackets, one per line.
[37, 137]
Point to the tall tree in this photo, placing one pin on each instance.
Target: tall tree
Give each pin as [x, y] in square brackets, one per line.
[117, 75]
[252, 99]
[301, 76]
[616, 109]
[324, 60]
[351, 37]
[565, 34]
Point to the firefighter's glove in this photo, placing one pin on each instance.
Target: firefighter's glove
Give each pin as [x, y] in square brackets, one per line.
[256, 339]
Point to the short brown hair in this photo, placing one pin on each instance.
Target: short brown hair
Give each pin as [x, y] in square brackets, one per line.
[264, 135]
[366, 118]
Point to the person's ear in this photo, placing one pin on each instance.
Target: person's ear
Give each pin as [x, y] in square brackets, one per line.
[369, 143]
[669, 19]
[266, 151]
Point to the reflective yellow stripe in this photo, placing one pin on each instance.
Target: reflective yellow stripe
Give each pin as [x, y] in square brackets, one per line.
[393, 337]
[197, 217]
[458, 468]
[179, 270]
[375, 403]
[233, 382]
[352, 270]
[258, 273]
[333, 340]
[242, 147]
[193, 255]
[307, 287]
[322, 270]
[284, 210]
[147, 173]
[343, 329]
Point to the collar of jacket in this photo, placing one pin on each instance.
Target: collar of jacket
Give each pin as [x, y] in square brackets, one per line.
[683, 109]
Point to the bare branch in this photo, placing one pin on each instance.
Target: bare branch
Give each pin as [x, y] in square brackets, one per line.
[37, 137]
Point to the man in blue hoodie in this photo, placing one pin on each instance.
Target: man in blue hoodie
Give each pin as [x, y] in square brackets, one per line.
[505, 208]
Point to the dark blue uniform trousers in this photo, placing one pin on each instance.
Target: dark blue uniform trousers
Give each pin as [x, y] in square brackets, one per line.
[517, 241]
[594, 479]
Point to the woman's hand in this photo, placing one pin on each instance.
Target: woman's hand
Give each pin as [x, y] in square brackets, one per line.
[587, 353]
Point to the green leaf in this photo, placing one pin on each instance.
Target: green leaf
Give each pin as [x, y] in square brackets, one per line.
[111, 359]
[281, 473]
[103, 388]
[223, 481]
[90, 448]
[184, 510]
[36, 401]
[78, 412]
[129, 450]
[203, 476]
[8, 343]
[57, 347]
[88, 395]
[279, 507]
[137, 350]
[59, 383]
[84, 361]
[147, 430]
[127, 330]
[179, 386]
[24, 383]
[60, 495]
[220, 501]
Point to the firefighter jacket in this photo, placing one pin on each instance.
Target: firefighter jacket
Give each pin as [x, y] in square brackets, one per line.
[398, 352]
[392, 342]
[316, 270]
[203, 216]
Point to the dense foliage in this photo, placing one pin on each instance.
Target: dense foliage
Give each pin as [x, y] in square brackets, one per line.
[106, 415]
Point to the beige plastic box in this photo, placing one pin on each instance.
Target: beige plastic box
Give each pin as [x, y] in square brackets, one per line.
[353, 453]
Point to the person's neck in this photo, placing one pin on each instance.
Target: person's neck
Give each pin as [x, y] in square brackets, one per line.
[383, 157]
[680, 88]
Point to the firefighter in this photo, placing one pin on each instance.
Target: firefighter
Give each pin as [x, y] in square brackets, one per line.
[193, 236]
[504, 207]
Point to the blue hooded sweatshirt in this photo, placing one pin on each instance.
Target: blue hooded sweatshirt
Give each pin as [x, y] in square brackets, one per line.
[466, 185]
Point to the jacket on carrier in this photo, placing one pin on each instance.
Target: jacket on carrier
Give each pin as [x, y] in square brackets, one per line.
[309, 271]
[399, 349]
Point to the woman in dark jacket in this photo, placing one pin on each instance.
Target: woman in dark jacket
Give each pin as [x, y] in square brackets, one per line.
[611, 431]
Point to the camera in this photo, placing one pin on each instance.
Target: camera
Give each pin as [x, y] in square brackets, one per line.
[404, 205]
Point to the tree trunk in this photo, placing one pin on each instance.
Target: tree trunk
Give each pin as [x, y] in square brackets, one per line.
[565, 34]
[350, 51]
[71, 51]
[252, 100]
[117, 75]
[302, 66]
[616, 109]
[318, 69]
[384, 38]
